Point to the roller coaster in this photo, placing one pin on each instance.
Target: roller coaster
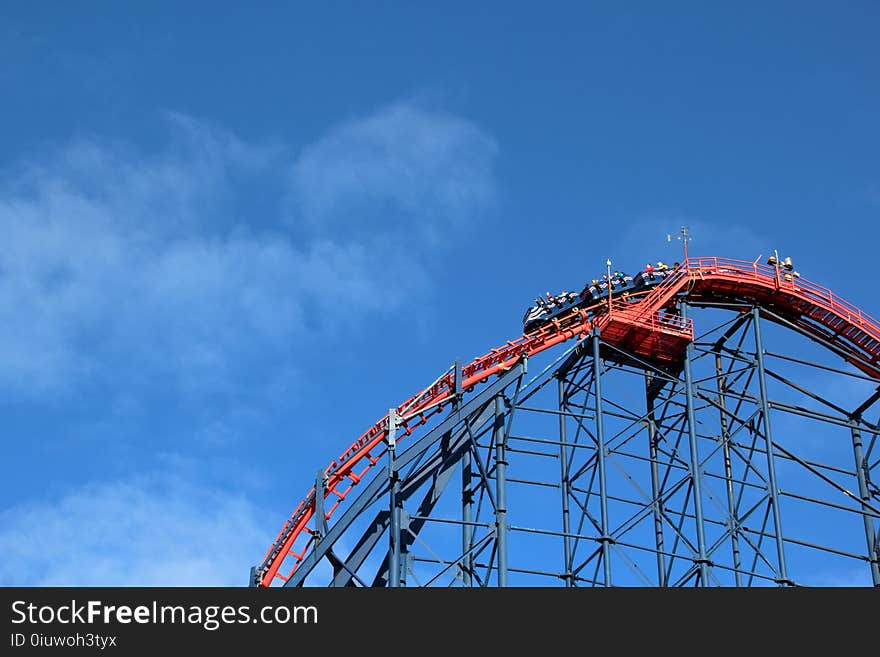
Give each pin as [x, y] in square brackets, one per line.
[644, 453]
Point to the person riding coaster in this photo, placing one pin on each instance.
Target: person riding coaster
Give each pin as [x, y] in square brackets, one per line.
[650, 276]
[546, 307]
[621, 280]
[591, 291]
[549, 306]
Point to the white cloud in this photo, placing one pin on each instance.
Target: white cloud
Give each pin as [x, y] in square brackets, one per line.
[118, 262]
[427, 172]
[115, 260]
[157, 531]
[146, 272]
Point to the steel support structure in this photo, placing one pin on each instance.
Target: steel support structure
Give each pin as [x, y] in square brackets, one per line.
[741, 464]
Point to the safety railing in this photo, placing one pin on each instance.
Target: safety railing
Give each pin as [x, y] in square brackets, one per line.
[813, 292]
[673, 322]
[659, 320]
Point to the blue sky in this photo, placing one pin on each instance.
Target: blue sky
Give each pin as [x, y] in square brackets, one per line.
[232, 239]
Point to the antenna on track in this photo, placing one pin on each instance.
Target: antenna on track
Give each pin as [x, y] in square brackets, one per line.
[684, 237]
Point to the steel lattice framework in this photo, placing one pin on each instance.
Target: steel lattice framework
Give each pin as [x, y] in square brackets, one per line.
[677, 441]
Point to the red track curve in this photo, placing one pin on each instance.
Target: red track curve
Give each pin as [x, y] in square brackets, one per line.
[811, 307]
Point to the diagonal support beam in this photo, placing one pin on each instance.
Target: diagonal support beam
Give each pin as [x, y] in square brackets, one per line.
[377, 484]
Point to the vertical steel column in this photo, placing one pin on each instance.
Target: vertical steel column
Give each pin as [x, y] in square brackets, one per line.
[405, 556]
[600, 458]
[656, 501]
[564, 484]
[500, 490]
[394, 492]
[467, 493]
[728, 469]
[696, 474]
[467, 504]
[768, 441]
[861, 472]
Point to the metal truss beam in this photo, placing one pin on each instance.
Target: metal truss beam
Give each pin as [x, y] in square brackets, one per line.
[618, 470]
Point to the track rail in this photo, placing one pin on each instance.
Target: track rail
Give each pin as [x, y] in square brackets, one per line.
[855, 334]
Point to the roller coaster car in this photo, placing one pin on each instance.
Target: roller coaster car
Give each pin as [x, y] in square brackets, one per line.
[624, 284]
[598, 292]
[593, 293]
[537, 316]
[645, 279]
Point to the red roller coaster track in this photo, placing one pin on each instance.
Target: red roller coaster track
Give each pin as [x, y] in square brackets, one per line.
[642, 325]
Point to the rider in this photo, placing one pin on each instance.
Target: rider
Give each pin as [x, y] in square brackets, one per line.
[590, 289]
